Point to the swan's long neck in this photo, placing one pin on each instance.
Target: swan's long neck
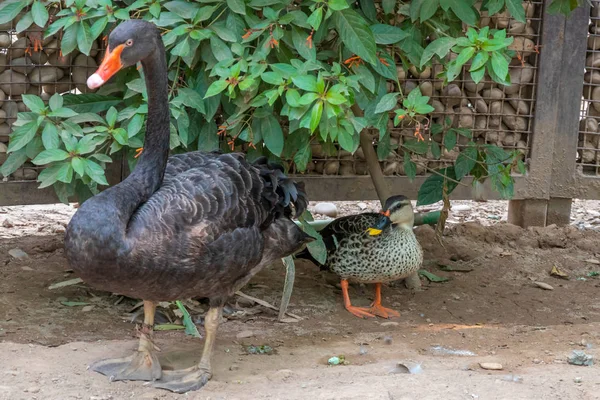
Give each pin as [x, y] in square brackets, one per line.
[99, 227]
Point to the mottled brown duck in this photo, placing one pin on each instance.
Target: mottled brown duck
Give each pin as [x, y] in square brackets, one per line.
[372, 248]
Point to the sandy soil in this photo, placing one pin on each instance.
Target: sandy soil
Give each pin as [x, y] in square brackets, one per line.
[489, 310]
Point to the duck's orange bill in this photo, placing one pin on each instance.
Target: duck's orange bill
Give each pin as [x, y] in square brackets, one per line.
[386, 213]
[111, 64]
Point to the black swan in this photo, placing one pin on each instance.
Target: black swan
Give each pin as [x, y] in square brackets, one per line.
[194, 224]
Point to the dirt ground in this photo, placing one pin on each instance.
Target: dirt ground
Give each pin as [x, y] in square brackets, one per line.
[489, 310]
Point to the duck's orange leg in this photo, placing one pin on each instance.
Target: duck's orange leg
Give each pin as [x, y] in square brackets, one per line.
[378, 309]
[360, 312]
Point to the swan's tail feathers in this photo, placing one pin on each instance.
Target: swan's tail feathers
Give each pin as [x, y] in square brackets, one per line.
[285, 196]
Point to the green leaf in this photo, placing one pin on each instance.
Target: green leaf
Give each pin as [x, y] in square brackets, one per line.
[478, 75]
[50, 137]
[356, 35]
[98, 27]
[111, 116]
[432, 277]
[338, 5]
[423, 109]
[65, 172]
[366, 77]
[135, 125]
[39, 13]
[270, 128]
[335, 98]
[237, 6]
[88, 143]
[208, 140]
[410, 168]
[9, 11]
[479, 60]
[499, 65]
[299, 40]
[436, 151]
[56, 102]
[63, 113]
[464, 56]
[308, 98]
[22, 135]
[34, 103]
[215, 88]
[95, 172]
[48, 156]
[24, 23]
[431, 191]
[89, 102]
[415, 146]
[102, 157]
[315, 115]
[428, 9]
[515, 8]
[182, 8]
[463, 9]
[387, 103]
[120, 136]
[190, 327]
[77, 164]
[450, 139]
[13, 162]
[293, 98]
[387, 34]
[69, 39]
[220, 49]
[183, 48]
[306, 82]
[494, 6]
[465, 162]
[315, 18]
[440, 46]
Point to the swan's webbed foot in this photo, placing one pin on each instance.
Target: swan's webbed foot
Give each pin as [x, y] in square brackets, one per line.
[142, 366]
[184, 380]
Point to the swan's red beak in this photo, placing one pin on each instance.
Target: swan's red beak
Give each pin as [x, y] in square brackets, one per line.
[110, 66]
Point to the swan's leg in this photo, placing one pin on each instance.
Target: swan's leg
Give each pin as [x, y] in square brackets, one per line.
[143, 365]
[194, 378]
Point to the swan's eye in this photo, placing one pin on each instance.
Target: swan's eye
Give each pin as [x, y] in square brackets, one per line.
[129, 42]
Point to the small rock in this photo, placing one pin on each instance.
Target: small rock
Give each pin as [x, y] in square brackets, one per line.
[17, 253]
[407, 367]
[390, 323]
[87, 308]
[234, 367]
[543, 285]
[578, 357]
[328, 209]
[7, 223]
[362, 206]
[578, 380]
[245, 334]
[491, 366]
[387, 340]
[27, 268]
[33, 389]
[461, 207]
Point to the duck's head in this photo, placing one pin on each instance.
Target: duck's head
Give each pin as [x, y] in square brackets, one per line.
[131, 41]
[397, 211]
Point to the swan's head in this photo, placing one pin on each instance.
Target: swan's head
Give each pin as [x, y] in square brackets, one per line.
[130, 42]
[398, 211]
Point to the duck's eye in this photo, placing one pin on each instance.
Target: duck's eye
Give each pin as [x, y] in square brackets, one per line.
[129, 42]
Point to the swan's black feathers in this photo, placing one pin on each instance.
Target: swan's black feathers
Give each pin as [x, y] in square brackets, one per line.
[214, 222]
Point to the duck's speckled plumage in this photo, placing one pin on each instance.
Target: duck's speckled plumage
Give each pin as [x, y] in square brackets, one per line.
[354, 254]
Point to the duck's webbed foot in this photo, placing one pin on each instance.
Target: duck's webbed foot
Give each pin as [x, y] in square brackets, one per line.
[194, 378]
[143, 365]
[378, 309]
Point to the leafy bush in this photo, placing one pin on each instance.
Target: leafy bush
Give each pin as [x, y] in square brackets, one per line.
[268, 77]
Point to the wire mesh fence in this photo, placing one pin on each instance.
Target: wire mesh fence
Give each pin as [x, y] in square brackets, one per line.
[32, 64]
[588, 155]
[494, 113]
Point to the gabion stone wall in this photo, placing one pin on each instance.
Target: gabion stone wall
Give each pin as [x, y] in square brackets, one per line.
[30, 64]
[496, 114]
[588, 156]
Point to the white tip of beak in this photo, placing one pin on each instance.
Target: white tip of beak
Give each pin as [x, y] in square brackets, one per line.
[94, 81]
